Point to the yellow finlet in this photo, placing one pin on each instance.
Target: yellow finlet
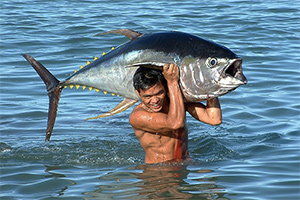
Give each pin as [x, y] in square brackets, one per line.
[65, 86]
[90, 88]
[97, 90]
[104, 92]
[95, 58]
[81, 66]
[103, 53]
[113, 48]
[88, 62]
[75, 71]
[77, 86]
[71, 86]
[113, 94]
[83, 87]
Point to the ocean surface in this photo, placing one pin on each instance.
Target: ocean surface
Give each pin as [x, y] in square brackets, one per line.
[254, 154]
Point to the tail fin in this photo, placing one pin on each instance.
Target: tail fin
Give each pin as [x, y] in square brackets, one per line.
[53, 88]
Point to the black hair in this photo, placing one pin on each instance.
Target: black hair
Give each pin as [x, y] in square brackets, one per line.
[144, 78]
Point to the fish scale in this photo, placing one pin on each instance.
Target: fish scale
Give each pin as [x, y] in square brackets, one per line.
[90, 88]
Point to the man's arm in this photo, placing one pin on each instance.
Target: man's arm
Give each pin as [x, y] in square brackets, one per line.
[163, 122]
[210, 114]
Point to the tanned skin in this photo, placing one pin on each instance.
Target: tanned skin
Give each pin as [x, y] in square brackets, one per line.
[159, 120]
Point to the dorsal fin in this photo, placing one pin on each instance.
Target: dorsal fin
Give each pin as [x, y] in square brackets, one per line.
[127, 32]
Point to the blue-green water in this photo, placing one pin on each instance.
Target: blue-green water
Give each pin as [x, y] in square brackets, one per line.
[253, 154]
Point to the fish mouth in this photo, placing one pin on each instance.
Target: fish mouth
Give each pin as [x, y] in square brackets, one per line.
[234, 70]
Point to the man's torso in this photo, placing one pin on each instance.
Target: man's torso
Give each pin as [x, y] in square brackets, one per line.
[161, 147]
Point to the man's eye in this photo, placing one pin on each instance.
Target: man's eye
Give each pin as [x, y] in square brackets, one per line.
[160, 92]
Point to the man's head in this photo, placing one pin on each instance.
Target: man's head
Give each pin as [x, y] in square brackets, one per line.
[151, 87]
[144, 78]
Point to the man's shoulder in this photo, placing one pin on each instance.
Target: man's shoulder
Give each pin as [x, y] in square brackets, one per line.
[137, 109]
[140, 110]
[136, 114]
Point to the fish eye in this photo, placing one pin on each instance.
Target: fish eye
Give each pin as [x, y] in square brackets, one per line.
[213, 62]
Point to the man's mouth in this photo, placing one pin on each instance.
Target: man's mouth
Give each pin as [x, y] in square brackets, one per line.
[156, 106]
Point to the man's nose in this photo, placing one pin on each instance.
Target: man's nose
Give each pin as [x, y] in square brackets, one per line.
[155, 99]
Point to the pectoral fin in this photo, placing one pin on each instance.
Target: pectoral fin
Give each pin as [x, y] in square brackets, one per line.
[125, 104]
[152, 65]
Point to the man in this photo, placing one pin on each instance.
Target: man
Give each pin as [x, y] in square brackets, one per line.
[159, 120]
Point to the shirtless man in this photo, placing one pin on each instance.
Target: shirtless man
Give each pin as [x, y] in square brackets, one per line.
[159, 120]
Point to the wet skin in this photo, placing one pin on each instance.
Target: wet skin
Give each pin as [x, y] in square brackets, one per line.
[159, 120]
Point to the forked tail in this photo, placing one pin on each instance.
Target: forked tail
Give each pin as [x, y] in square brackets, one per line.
[53, 88]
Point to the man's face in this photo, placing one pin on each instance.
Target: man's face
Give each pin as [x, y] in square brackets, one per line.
[154, 97]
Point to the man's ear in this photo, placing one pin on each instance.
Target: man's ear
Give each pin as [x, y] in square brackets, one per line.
[137, 92]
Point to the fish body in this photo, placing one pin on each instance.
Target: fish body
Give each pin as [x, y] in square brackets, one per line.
[207, 69]
[114, 71]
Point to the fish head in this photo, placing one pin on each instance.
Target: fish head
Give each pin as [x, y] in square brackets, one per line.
[209, 77]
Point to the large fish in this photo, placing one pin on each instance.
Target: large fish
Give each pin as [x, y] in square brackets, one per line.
[207, 69]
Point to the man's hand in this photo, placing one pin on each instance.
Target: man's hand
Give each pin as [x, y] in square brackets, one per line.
[171, 72]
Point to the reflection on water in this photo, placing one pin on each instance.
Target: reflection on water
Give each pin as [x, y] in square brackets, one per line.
[177, 181]
[159, 181]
